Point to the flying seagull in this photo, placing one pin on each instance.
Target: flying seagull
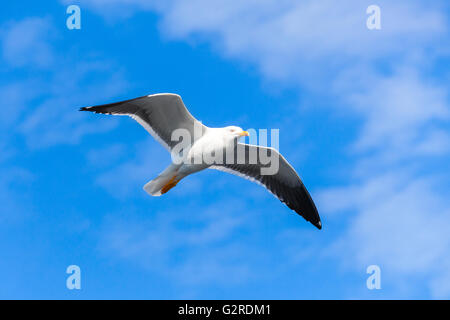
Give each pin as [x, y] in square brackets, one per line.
[163, 114]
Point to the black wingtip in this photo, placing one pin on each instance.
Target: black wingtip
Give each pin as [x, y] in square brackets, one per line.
[84, 109]
[318, 225]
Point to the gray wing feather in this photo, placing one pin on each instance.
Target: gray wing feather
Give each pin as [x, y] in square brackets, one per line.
[285, 184]
[159, 114]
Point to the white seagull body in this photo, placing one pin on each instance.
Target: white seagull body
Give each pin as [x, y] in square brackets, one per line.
[162, 115]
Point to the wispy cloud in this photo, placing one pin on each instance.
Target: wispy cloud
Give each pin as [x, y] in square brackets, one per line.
[399, 223]
[401, 110]
[14, 182]
[42, 104]
[196, 248]
[127, 177]
[25, 43]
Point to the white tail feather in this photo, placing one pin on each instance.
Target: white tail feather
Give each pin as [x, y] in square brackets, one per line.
[154, 186]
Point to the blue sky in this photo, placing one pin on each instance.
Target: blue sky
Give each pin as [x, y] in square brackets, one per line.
[363, 116]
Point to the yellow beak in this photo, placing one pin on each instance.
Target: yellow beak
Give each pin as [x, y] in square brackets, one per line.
[244, 134]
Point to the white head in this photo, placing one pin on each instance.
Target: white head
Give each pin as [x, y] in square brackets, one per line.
[235, 132]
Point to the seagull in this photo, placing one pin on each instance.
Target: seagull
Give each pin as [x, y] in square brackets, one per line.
[164, 114]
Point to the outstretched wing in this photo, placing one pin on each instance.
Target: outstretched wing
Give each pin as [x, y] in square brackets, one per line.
[159, 114]
[285, 184]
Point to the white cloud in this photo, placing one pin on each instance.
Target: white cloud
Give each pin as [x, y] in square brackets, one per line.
[400, 110]
[401, 224]
[289, 40]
